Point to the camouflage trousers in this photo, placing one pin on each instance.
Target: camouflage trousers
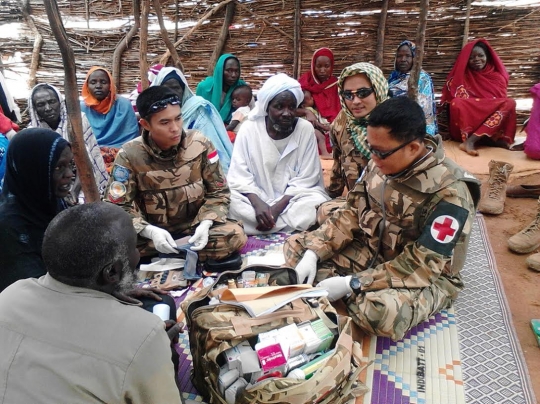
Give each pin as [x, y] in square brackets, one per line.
[223, 240]
[325, 210]
[386, 312]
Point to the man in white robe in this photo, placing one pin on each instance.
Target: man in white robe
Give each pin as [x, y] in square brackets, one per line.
[275, 174]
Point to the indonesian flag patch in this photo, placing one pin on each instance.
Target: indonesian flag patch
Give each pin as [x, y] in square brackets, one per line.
[213, 157]
[443, 228]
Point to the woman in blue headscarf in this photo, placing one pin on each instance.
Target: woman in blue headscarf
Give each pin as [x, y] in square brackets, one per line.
[198, 113]
[398, 84]
[218, 88]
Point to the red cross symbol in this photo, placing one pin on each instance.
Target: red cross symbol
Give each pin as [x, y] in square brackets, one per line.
[444, 228]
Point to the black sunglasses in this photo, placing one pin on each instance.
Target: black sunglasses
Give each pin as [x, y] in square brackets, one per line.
[162, 104]
[383, 155]
[360, 93]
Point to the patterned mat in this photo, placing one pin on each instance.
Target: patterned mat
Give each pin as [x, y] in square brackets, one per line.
[466, 354]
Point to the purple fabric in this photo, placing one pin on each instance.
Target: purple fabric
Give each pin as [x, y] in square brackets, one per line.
[532, 143]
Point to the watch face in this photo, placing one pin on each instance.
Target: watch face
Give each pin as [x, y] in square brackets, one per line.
[355, 284]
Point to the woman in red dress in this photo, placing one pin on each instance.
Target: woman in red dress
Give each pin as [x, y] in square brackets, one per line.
[475, 91]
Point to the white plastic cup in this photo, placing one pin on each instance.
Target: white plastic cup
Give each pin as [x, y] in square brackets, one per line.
[163, 311]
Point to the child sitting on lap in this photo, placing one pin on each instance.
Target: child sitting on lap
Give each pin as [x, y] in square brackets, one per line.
[241, 98]
[321, 125]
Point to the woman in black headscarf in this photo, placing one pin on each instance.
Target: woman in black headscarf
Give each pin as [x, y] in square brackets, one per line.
[39, 175]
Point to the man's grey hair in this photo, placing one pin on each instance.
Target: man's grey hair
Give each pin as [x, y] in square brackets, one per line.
[81, 241]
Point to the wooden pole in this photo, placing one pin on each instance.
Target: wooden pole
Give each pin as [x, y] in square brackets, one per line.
[143, 47]
[38, 43]
[297, 42]
[84, 167]
[419, 57]
[224, 34]
[177, 13]
[379, 54]
[205, 17]
[87, 13]
[124, 43]
[165, 36]
[466, 27]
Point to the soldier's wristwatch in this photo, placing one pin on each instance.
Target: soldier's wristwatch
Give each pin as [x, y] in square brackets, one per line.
[355, 285]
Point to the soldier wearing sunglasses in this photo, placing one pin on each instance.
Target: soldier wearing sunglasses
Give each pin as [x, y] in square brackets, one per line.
[362, 87]
[398, 244]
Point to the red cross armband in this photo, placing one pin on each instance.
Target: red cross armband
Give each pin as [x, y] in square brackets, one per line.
[443, 228]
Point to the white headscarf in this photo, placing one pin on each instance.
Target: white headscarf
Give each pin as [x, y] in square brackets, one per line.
[162, 75]
[270, 89]
[37, 122]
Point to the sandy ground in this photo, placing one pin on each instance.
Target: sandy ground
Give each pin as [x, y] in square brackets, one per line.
[521, 285]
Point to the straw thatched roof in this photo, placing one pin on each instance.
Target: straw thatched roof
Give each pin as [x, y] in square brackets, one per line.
[262, 35]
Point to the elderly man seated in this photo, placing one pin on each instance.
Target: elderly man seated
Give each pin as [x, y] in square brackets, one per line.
[275, 174]
[66, 338]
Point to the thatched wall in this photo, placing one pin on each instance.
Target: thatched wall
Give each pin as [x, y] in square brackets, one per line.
[349, 28]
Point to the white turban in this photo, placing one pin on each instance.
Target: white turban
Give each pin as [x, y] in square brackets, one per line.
[272, 87]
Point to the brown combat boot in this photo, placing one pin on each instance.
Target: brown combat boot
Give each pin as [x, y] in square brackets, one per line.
[528, 239]
[533, 262]
[494, 192]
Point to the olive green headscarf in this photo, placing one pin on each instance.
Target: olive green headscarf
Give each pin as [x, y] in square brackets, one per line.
[357, 128]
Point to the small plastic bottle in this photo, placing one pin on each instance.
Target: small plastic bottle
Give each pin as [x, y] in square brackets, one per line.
[306, 371]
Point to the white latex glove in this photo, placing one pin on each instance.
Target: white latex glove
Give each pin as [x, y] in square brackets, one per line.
[10, 134]
[337, 287]
[307, 267]
[200, 238]
[163, 241]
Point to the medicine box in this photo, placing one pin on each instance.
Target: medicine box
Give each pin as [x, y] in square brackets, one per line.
[243, 358]
[295, 341]
[311, 339]
[271, 356]
[323, 333]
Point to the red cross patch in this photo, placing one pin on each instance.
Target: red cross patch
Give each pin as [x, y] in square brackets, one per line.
[444, 229]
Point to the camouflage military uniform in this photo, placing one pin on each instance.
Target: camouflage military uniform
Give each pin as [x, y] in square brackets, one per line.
[176, 190]
[429, 212]
[348, 160]
[348, 164]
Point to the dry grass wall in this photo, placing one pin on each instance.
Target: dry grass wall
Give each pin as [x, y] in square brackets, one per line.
[349, 28]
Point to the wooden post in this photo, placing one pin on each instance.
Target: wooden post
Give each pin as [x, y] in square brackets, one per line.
[220, 44]
[124, 43]
[297, 43]
[87, 12]
[419, 57]
[176, 14]
[143, 47]
[38, 43]
[466, 27]
[84, 167]
[379, 53]
[165, 36]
